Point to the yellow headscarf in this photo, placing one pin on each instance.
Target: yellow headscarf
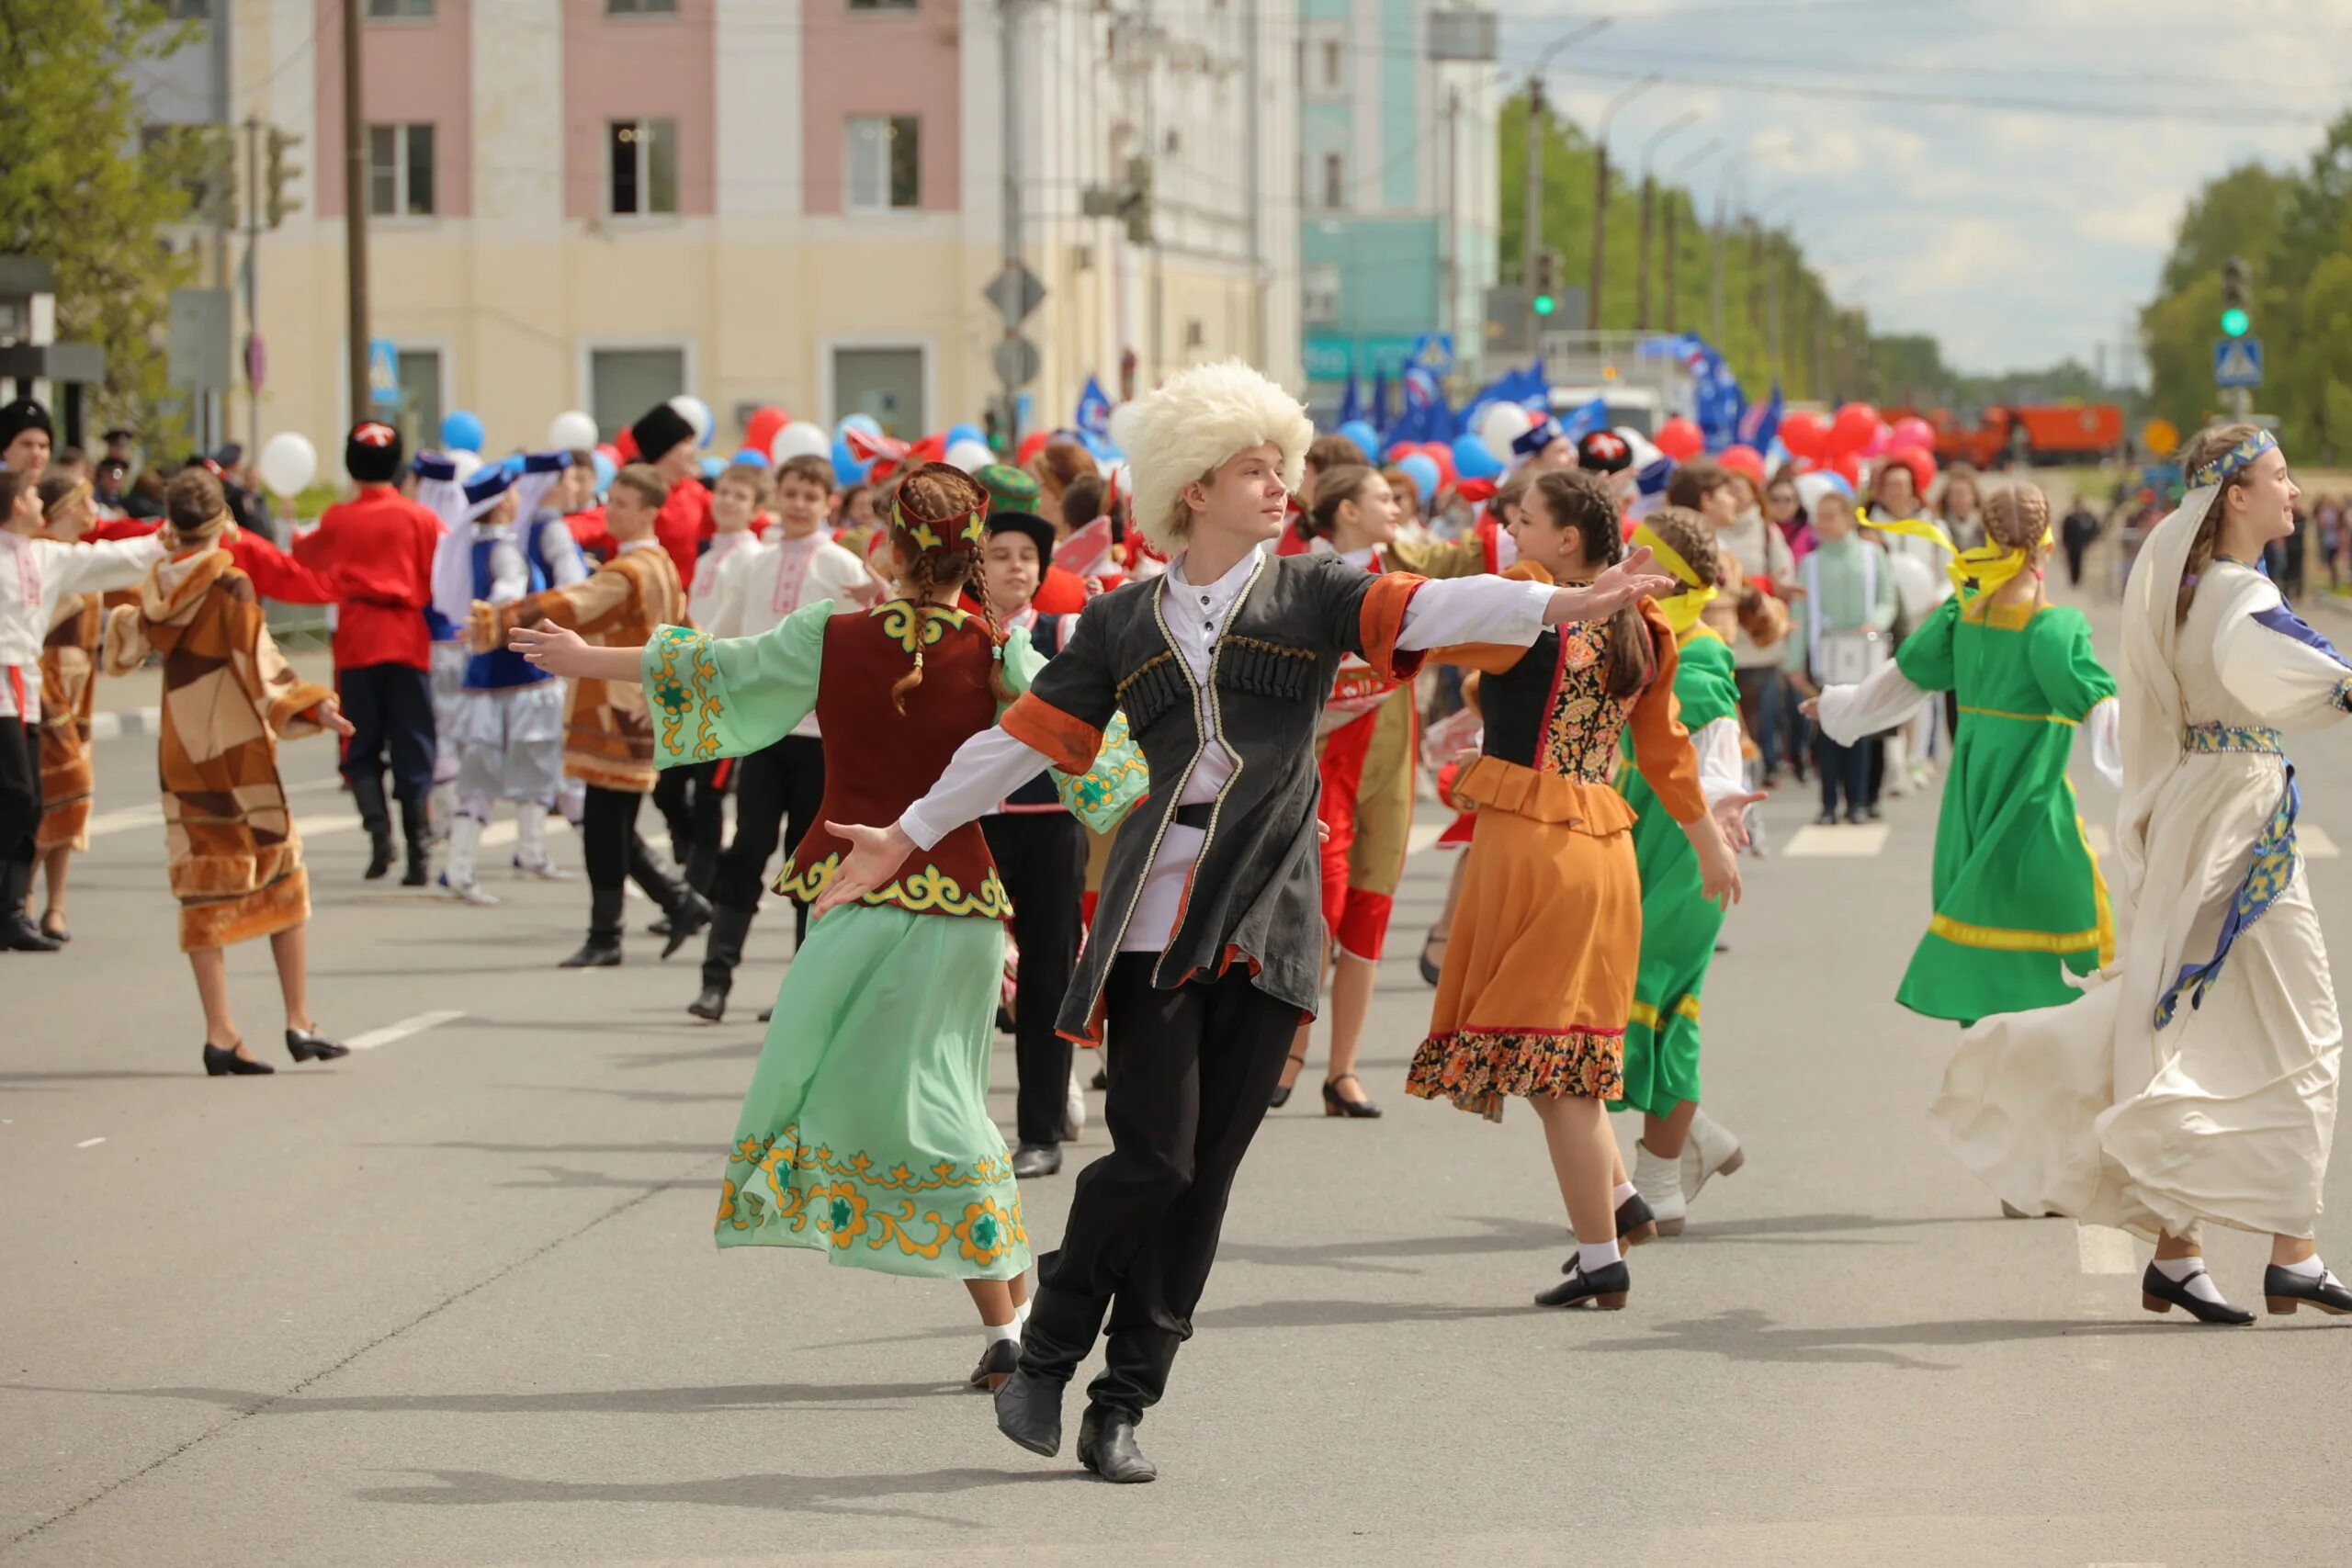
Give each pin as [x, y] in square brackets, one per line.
[1682, 611]
[1980, 570]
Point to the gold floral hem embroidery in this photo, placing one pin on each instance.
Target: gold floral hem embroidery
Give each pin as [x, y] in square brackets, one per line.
[926, 892]
[1478, 1069]
[845, 1200]
[680, 694]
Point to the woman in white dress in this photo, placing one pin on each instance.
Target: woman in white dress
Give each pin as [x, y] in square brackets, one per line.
[2195, 1078]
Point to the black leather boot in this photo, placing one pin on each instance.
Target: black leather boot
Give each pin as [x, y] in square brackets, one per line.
[602, 947]
[729, 926]
[417, 827]
[367, 793]
[1106, 1445]
[1029, 1411]
[18, 932]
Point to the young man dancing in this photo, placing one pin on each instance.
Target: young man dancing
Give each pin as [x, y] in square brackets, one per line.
[1206, 945]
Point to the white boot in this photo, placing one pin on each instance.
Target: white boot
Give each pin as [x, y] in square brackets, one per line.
[1659, 1181]
[465, 833]
[1710, 1149]
[1073, 1106]
[531, 843]
[1898, 769]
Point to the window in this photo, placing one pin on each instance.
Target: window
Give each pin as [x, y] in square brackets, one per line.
[881, 5]
[644, 162]
[400, 170]
[1335, 181]
[884, 159]
[383, 10]
[641, 8]
[624, 382]
[1319, 293]
[420, 372]
[1333, 70]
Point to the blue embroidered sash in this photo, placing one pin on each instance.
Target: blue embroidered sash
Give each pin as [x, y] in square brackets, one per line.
[2266, 879]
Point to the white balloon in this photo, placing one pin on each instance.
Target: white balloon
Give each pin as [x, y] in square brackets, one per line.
[799, 439]
[971, 455]
[468, 464]
[697, 414]
[1501, 425]
[573, 430]
[287, 463]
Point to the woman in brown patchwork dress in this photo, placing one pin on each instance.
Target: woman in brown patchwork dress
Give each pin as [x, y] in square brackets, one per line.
[229, 695]
[69, 670]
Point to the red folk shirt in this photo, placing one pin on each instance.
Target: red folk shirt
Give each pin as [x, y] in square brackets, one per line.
[684, 523]
[275, 574]
[378, 549]
[1061, 593]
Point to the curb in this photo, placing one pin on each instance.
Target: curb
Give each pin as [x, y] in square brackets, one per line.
[132, 721]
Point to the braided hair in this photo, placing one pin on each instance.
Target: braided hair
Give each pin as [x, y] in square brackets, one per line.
[1580, 499]
[936, 491]
[2203, 448]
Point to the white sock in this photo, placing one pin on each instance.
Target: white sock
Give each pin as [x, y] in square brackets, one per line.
[1001, 1332]
[1021, 1317]
[464, 833]
[2311, 1268]
[1618, 1193]
[1598, 1255]
[2190, 1274]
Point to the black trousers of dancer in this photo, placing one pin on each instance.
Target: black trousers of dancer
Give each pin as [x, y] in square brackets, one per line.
[1848, 767]
[1192, 1071]
[692, 800]
[20, 808]
[1041, 859]
[615, 851]
[390, 710]
[778, 790]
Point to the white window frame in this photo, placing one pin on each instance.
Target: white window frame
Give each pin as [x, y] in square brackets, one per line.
[1321, 287]
[584, 363]
[401, 171]
[640, 141]
[850, 204]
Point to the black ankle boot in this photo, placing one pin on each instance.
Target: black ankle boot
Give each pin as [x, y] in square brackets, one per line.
[729, 926]
[1029, 1411]
[602, 947]
[1106, 1445]
[367, 795]
[417, 827]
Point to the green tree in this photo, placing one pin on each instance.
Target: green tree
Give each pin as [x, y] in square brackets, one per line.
[81, 188]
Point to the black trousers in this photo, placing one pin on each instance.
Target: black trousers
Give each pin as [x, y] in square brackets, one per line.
[1192, 1071]
[615, 852]
[693, 806]
[20, 804]
[1041, 858]
[777, 789]
[390, 710]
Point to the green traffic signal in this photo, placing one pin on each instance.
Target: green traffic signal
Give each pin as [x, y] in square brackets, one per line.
[1545, 305]
[2235, 323]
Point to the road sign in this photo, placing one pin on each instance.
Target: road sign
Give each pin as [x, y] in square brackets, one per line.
[2237, 362]
[383, 373]
[1016, 294]
[1016, 361]
[1434, 351]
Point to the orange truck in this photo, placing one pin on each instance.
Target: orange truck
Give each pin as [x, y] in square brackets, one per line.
[2074, 433]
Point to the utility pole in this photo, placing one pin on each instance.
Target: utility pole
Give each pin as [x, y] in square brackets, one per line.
[1649, 199]
[254, 200]
[1531, 202]
[355, 209]
[1009, 56]
[1600, 191]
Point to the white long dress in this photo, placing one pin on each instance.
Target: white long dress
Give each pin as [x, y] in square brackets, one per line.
[2174, 1092]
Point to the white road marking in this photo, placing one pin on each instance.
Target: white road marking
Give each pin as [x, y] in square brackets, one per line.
[1852, 840]
[89, 1143]
[130, 817]
[1424, 835]
[2102, 1250]
[2102, 842]
[393, 1033]
[2313, 840]
[319, 827]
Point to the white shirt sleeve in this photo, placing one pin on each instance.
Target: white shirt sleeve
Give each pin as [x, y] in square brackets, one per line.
[1723, 772]
[985, 769]
[841, 576]
[1885, 700]
[1474, 609]
[558, 553]
[2104, 724]
[510, 577]
[69, 569]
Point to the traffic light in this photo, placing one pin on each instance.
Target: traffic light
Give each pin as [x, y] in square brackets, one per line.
[2236, 296]
[1544, 288]
[281, 174]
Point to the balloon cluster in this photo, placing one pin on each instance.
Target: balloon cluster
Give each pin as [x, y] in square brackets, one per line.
[1842, 442]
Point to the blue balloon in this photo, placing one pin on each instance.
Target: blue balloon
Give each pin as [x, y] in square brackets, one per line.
[1422, 469]
[713, 466]
[751, 456]
[605, 471]
[847, 470]
[1472, 461]
[461, 431]
[1367, 439]
[865, 421]
[965, 433]
[513, 463]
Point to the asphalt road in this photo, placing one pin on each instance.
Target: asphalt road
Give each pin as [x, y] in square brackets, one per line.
[454, 1300]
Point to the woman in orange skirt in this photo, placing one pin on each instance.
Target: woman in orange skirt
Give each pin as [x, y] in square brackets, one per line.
[1538, 979]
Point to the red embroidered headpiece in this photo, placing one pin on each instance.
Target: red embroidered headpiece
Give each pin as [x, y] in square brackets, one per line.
[957, 529]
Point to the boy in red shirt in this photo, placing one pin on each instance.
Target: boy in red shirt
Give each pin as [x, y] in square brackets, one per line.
[666, 444]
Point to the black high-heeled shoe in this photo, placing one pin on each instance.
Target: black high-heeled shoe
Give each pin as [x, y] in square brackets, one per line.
[1432, 969]
[305, 1046]
[2284, 1291]
[1337, 1104]
[1603, 1288]
[1280, 1096]
[2160, 1292]
[224, 1063]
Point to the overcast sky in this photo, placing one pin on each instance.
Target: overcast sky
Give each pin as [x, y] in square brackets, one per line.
[1926, 152]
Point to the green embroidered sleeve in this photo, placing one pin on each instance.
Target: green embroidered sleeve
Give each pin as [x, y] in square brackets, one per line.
[1105, 793]
[728, 696]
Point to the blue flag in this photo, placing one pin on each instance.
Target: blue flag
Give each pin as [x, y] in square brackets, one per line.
[1760, 427]
[1352, 401]
[1582, 421]
[1426, 416]
[1094, 410]
[1378, 412]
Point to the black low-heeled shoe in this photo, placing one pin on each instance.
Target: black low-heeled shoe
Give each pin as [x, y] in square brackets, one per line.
[1432, 970]
[998, 1363]
[1636, 1224]
[225, 1064]
[2159, 1292]
[1603, 1289]
[1337, 1104]
[305, 1046]
[2283, 1290]
[1280, 1096]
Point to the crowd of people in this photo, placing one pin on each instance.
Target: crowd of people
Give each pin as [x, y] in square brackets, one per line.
[1127, 756]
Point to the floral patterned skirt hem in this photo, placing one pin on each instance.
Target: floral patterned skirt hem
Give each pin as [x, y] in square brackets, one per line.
[949, 1221]
[1477, 1070]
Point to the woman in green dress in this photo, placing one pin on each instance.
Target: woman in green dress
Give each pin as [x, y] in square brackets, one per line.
[866, 1135]
[1679, 922]
[2020, 903]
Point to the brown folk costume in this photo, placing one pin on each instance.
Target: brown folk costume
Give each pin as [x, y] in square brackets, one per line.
[608, 733]
[69, 671]
[229, 696]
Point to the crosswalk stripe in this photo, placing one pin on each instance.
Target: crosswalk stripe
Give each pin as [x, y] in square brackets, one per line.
[1422, 837]
[1852, 840]
[2312, 838]
[109, 823]
[393, 1033]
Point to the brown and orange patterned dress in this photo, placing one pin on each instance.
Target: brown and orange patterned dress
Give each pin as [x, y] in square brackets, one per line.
[68, 682]
[229, 697]
[1539, 972]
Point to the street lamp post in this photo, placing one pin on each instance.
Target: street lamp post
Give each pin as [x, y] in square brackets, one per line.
[1649, 195]
[1531, 207]
[1673, 226]
[1600, 191]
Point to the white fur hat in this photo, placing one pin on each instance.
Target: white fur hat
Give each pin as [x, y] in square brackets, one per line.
[1191, 425]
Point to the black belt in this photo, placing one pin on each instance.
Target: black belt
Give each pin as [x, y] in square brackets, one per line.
[1196, 815]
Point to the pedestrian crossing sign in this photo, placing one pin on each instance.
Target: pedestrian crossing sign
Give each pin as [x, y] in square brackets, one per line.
[2237, 362]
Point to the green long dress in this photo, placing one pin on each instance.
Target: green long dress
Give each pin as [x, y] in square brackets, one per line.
[1679, 923]
[2018, 897]
[865, 1133]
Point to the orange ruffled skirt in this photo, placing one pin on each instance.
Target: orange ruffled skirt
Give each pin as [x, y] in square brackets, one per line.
[1539, 969]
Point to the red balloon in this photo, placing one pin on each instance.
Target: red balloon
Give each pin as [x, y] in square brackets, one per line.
[1852, 430]
[1443, 455]
[1913, 430]
[1031, 444]
[1399, 449]
[1680, 439]
[1744, 460]
[625, 444]
[1916, 458]
[1847, 466]
[1804, 434]
[612, 451]
[759, 431]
